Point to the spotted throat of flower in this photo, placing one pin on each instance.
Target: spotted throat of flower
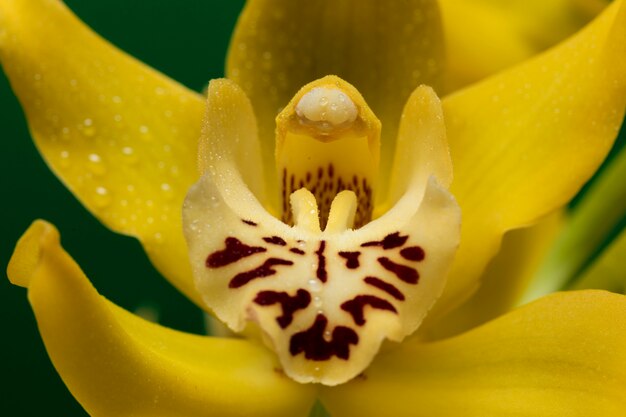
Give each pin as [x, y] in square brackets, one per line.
[327, 283]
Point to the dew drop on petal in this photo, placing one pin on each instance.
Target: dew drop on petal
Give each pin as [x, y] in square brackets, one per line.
[95, 164]
[102, 198]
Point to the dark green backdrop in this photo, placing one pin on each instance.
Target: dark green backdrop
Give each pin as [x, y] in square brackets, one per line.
[187, 40]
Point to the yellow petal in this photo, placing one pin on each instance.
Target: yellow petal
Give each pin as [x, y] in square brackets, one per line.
[505, 279]
[385, 49]
[120, 135]
[487, 36]
[117, 364]
[564, 355]
[599, 213]
[524, 142]
[422, 148]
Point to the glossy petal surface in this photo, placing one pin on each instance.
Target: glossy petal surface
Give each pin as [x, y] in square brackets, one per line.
[506, 278]
[487, 36]
[525, 141]
[601, 211]
[117, 364]
[385, 49]
[563, 355]
[121, 136]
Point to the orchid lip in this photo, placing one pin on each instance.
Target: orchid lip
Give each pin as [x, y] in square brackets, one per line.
[328, 283]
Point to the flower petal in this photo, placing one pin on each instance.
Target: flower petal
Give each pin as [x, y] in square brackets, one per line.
[422, 149]
[504, 280]
[525, 141]
[562, 355]
[120, 135]
[116, 363]
[486, 36]
[589, 227]
[385, 49]
[323, 300]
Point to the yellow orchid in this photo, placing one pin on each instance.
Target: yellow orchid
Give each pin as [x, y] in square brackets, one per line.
[282, 138]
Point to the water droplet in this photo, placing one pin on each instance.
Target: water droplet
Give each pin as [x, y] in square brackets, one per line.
[116, 99]
[87, 128]
[65, 161]
[102, 197]
[95, 164]
[143, 129]
[158, 237]
[129, 154]
[315, 285]
[117, 118]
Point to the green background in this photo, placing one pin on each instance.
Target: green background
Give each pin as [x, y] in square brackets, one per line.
[185, 39]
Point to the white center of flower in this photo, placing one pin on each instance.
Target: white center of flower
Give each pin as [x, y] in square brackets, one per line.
[326, 108]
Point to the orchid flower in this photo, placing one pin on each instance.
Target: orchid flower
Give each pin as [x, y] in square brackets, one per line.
[323, 202]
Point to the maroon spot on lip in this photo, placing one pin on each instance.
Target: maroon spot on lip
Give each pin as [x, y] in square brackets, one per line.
[352, 259]
[296, 251]
[249, 222]
[275, 240]
[321, 272]
[316, 348]
[262, 271]
[385, 286]
[356, 306]
[289, 304]
[413, 253]
[234, 251]
[403, 272]
[391, 241]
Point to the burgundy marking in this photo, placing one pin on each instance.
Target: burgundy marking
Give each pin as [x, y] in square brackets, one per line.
[262, 271]
[405, 273]
[249, 222]
[316, 348]
[275, 240]
[356, 306]
[391, 241]
[352, 259]
[414, 253]
[296, 251]
[331, 170]
[289, 304]
[322, 274]
[234, 251]
[385, 286]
